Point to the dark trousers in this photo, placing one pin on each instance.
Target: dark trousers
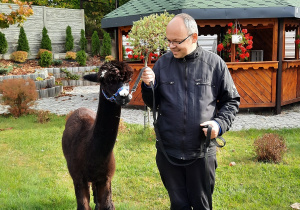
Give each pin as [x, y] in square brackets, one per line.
[186, 184]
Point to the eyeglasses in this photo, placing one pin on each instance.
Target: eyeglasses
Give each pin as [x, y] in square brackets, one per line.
[177, 42]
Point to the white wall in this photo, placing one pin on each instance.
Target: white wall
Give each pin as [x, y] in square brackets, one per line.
[55, 20]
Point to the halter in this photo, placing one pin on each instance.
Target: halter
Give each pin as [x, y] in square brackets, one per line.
[114, 96]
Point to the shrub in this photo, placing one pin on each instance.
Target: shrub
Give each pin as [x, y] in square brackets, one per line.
[3, 43]
[69, 39]
[46, 59]
[19, 94]
[46, 41]
[71, 55]
[23, 42]
[81, 57]
[83, 41]
[19, 56]
[43, 116]
[69, 75]
[41, 51]
[270, 148]
[57, 62]
[95, 44]
[106, 45]
[5, 69]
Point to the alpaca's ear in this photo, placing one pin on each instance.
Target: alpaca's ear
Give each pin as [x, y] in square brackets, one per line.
[91, 77]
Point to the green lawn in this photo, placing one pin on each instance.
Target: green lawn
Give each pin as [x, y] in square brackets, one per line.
[33, 172]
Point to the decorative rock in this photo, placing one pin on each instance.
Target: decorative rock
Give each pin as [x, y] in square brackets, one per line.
[42, 71]
[56, 70]
[50, 70]
[43, 93]
[26, 76]
[72, 82]
[65, 83]
[57, 75]
[41, 76]
[79, 82]
[51, 82]
[37, 85]
[43, 84]
[75, 69]
[51, 92]
[17, 76]
[81, 69]
[58, 90]
[33, 76]
[70, 69]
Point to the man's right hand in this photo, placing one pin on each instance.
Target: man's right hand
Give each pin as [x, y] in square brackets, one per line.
[148, 76]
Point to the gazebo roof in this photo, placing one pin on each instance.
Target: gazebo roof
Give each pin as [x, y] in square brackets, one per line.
[202, 9]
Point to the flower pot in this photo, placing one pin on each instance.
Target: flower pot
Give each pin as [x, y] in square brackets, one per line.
[236, 39]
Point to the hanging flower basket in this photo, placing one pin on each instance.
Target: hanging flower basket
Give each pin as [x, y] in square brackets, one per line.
[297, 41]
[242, 40]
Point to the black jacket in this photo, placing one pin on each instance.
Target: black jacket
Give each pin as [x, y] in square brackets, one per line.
[190, 91]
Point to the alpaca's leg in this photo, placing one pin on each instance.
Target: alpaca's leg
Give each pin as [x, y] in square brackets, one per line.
[82, 192]
[102, 192]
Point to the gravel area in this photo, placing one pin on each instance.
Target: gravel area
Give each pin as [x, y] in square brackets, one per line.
[87, 96]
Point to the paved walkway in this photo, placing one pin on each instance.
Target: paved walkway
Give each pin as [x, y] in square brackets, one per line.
[87, 96]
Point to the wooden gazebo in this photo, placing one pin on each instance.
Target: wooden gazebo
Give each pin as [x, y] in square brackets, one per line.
[272, 82]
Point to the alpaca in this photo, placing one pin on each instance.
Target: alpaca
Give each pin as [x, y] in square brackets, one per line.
[88, 139]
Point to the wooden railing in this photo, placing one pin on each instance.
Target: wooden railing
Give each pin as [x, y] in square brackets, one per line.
[290, 88]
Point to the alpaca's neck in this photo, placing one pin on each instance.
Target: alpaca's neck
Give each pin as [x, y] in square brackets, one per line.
[106, 126]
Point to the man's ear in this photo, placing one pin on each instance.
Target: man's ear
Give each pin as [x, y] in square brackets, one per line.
[195, 37]
[91, 77]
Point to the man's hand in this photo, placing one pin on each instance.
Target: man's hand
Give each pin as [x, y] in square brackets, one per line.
[215, 128]
[148, 76]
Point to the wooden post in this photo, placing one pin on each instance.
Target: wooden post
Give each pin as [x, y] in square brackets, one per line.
[279, 71]
[232, 52]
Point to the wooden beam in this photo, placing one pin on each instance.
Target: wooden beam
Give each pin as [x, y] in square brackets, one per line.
[233, 52]
[275, 42]
[296, 46]
[279, 72]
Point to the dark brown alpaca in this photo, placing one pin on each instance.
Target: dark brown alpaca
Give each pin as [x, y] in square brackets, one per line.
[88, 139]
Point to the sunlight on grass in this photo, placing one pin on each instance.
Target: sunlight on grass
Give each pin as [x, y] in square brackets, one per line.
[34, 174]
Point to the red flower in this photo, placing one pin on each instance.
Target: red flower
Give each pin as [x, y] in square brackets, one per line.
[128, 50]
[297, 41]
[250, 42]
[127, 36]
[130, 56]
[250, 37]
[155, 55]
[236, 30]
[142, 57]
[249, 47]
[247, 54]
[230, 24]
[151, 55]
[135, 56]
[244, 31]
[220, 47]
[229, 31]
[242, 56]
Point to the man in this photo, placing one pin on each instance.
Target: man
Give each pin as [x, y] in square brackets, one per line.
[193, 87]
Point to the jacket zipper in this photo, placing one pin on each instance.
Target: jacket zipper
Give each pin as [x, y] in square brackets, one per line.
[185, 109]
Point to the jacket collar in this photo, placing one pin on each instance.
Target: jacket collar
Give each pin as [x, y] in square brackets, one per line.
[192, 55]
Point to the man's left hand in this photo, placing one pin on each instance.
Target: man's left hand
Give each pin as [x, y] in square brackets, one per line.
[214, 130]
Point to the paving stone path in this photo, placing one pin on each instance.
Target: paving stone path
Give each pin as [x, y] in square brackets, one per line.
[87, 96]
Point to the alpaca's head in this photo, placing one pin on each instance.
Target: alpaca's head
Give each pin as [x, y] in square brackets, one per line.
[114, 77]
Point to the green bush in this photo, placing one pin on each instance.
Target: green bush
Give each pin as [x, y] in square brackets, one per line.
[81, 57]
[57, 62]
[3, 44]
[46, 42]
[46, 59]
[106, 45]
[23, 42]
[83, 41]
[69, 39]
[270, 148]
[5, 69]
[95, 44]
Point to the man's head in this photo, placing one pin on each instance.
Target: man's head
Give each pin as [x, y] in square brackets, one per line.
[182, 35]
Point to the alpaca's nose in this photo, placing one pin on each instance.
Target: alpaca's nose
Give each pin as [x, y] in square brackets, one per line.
[124, 91]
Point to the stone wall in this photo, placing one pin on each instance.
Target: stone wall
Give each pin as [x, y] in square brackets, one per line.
[55, 20]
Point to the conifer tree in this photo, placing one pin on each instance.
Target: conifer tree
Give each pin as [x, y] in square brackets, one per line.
[69, 39]
[23, 42]
[95, 44]
[106, 45]
[46, 41]
[83, 41]
[3, 44]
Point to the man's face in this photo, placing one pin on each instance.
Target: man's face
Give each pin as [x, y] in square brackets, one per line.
[177, 32]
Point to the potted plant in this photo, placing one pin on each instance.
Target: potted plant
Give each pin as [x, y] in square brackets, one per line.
[242, 40]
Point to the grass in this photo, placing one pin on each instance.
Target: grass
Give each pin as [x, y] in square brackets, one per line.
[33, 172]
